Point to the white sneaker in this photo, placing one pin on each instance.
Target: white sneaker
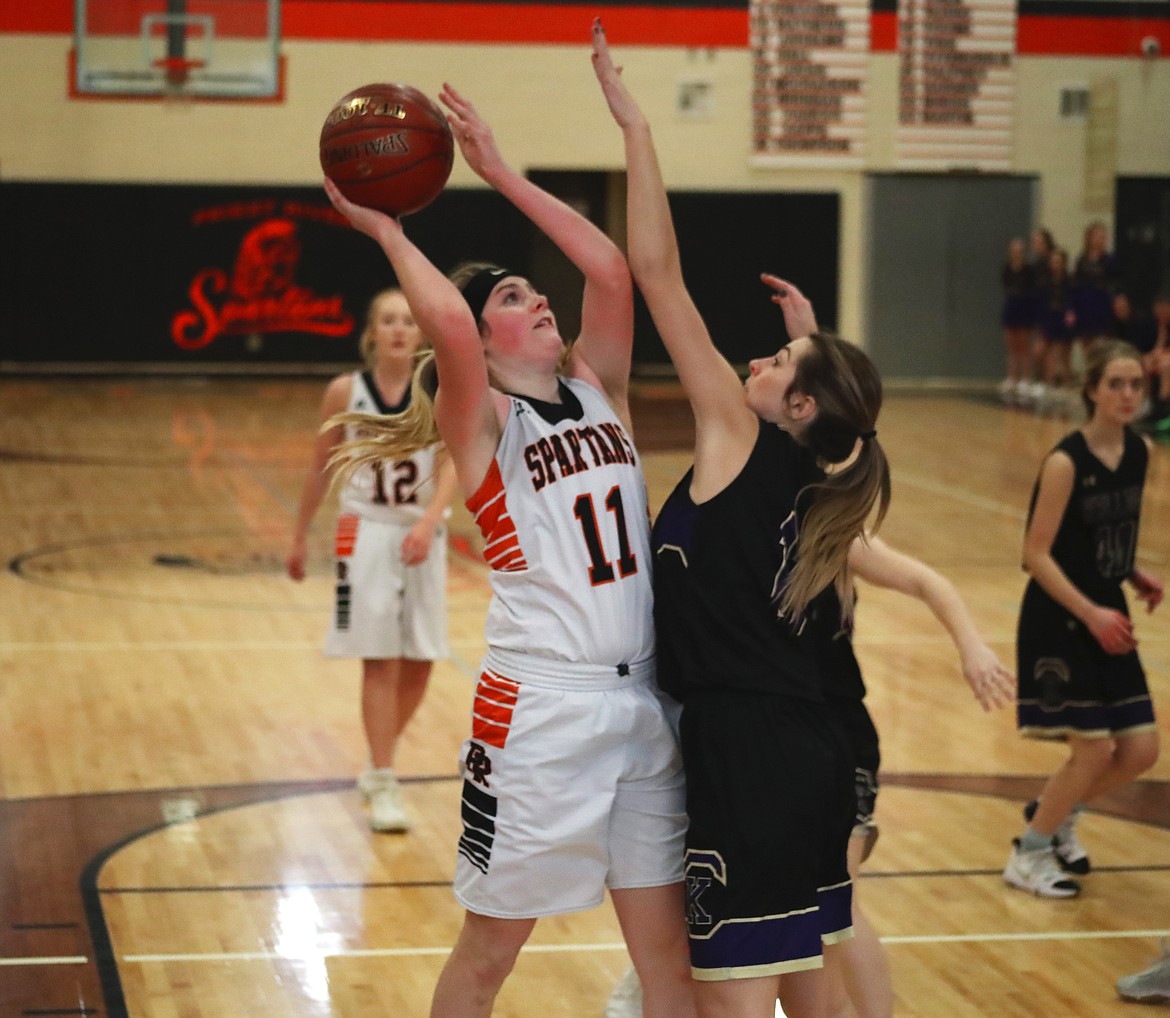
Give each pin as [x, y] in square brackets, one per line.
[1150, 986]
[1037, 392]
[1023, 393]
[387, 812]
[626, 999]
[1038, 873]
[365, 783]
[1007, 390]
[1070, 853]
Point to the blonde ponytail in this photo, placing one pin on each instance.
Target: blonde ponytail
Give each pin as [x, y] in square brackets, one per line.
[381, 437]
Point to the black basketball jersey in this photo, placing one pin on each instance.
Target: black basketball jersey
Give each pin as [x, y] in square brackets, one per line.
[718, 568]
[1097, 540]
[832, 641]
[1016, 281]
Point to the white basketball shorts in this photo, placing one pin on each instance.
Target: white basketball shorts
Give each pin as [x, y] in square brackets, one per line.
[567, 792]
[381, 607]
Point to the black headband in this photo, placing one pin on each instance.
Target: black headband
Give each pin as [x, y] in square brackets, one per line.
[479, 287]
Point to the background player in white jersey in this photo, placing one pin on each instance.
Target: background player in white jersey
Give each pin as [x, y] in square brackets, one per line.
[391, 556]
[572, 775]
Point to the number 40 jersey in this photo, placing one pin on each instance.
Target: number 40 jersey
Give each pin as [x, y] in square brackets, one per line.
[564, 517]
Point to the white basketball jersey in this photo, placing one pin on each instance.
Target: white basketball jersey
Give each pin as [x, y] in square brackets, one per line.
[393, 492]
[564, 517]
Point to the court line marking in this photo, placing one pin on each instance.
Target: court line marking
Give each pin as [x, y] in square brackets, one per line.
[985, 938]
[429, 952]
[266, 646]
[961, 494]
[65, 959]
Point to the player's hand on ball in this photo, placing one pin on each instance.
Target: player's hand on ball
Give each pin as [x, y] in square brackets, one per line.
[369, 221]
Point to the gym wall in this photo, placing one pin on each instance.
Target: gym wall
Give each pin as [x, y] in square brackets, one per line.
[527, 68]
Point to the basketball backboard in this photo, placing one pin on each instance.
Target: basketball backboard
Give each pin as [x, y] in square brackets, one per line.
[213, 49]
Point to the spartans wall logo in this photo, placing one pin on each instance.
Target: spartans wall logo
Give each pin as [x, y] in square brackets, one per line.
[260, 294]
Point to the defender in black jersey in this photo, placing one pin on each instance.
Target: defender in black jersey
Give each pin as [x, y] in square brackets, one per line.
[742, 547]
[1080, 678]
[861, 959]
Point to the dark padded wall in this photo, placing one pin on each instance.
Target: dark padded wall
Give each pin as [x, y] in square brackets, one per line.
[197, 277]
[192, 276]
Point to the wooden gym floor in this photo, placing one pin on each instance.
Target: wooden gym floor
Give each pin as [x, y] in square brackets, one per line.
[181, 835]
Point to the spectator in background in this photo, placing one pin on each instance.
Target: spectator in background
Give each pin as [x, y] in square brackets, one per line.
[1041, 245]
[1057, 321]
[1157, 364]
[1146, 331]
[1095, 279]
[1018, 317]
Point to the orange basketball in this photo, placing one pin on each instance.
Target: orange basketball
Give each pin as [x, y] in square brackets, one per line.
[387, 147]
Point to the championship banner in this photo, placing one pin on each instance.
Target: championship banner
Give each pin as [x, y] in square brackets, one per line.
[811, 66]
[956, 84]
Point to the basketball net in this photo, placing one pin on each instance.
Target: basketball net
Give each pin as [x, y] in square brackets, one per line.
[176, 72]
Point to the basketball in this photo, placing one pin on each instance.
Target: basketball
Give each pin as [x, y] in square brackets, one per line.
[387, 147]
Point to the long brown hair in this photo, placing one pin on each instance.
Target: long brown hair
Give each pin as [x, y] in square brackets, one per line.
[1098, 357]
[848, 393]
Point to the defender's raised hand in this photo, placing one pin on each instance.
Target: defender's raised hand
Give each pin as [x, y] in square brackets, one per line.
[799, 318]
[622, 105]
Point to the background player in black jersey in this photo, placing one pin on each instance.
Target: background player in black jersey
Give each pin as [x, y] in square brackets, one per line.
[1080, 678]
[767, 879]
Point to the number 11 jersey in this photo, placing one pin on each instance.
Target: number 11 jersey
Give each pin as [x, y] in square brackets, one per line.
[565, 523]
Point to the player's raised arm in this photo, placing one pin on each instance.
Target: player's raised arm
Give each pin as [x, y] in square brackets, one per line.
[711, 384]
[464, 407]
[605, 343]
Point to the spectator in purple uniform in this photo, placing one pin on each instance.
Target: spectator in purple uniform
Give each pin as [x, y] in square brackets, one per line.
[1018, 316]
[1094, 283]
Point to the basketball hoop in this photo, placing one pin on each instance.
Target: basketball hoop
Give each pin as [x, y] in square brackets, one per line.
[176, 70]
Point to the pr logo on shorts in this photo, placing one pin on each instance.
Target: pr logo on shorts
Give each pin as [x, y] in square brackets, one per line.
[478, 810]
[479, 764]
